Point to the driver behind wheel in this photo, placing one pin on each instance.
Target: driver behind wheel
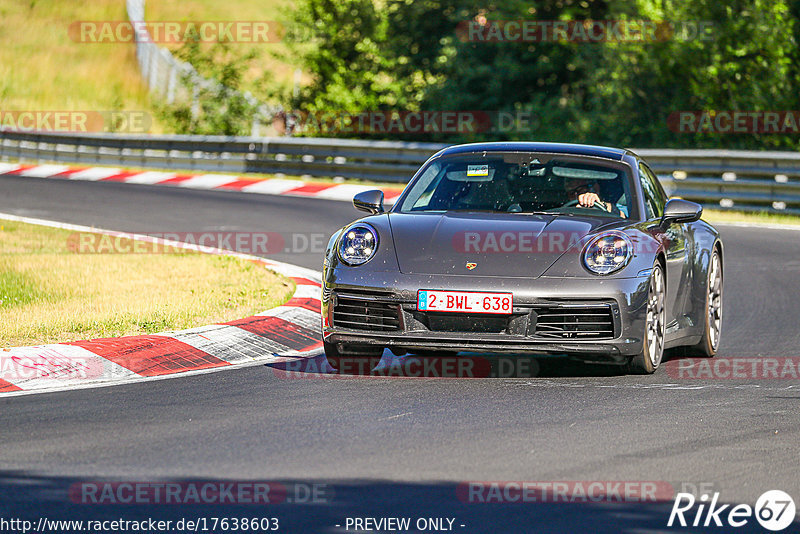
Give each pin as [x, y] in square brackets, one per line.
[585, 193]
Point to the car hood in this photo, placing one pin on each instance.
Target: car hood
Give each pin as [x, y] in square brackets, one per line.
[498, 244]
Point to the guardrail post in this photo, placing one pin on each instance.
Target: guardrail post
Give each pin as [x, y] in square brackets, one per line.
[173, 80]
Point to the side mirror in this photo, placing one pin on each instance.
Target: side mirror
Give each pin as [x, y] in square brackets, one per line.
[370, 201]
[678, 210]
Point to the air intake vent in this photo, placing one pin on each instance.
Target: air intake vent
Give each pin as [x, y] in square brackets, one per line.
[586, 322]
[365, 313]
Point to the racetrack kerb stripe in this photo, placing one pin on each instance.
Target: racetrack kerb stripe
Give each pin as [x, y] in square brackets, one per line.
[200, 181]
[288, 334]
[6, 387]
[304, 281]
[151, 355]
[314, 305]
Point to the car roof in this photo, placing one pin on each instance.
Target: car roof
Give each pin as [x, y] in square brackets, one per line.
[527, 146]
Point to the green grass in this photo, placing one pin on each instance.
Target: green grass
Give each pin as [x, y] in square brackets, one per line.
[50, 294]
[723, 216]
[19, 288]
[43, 69]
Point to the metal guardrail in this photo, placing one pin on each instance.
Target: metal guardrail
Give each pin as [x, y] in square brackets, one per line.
[742, 180]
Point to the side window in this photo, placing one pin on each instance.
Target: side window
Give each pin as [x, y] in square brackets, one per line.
[654, 196]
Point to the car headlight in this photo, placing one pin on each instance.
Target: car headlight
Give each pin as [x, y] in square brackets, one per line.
[608, 253]
[358, 244]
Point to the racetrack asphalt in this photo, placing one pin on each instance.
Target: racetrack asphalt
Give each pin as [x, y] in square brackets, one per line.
[399, 447]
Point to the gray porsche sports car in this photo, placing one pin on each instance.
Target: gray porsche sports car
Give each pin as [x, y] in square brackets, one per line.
[525, 248]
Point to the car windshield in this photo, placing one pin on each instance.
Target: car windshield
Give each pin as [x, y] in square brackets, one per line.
[520, 183]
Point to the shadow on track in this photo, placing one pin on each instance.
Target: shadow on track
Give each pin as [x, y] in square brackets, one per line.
[462, 366]
[31, 496]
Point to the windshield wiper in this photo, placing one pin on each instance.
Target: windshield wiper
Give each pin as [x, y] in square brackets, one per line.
[551, 213]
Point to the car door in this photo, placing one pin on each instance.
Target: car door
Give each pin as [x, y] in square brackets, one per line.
[678, 253]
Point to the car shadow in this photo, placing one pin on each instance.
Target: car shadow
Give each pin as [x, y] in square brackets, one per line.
[460, 366]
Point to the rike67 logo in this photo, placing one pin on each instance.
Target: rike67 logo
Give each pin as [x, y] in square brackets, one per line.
[774, 510]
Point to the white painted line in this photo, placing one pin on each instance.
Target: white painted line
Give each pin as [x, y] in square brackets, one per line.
[44, 171]
[150, 177]
[207, 181]
[273, 187]
[95, 173]
[8, 167]
[47, 366]
[285, 269]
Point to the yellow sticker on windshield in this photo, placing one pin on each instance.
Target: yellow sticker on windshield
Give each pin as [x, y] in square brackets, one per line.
[477, 170]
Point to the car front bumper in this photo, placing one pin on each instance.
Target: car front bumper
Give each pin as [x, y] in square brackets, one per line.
[623, 299]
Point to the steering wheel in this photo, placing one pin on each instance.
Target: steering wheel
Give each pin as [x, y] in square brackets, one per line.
[596, 205]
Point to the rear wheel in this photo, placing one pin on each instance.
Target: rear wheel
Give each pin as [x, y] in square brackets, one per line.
[355, 359]
[655, 327]
[713, 317]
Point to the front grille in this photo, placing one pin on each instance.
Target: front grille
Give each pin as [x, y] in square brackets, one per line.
[463, 322]
[585, 322]
[363, 312]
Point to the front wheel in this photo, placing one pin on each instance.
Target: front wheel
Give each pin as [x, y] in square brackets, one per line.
[359, 360]
[655, 328]
[713, 313]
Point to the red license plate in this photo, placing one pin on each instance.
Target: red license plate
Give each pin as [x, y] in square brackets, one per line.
[464, 301]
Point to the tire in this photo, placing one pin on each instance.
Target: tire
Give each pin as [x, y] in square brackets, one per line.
[709, 343]
[357, 360]
[652, 353]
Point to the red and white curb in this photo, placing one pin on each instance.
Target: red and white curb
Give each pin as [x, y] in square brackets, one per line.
[280, 334]
[220, 182]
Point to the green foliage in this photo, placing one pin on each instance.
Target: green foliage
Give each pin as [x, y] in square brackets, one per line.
[743, 63]
[382, 55]
[212, 108]
[350, 57]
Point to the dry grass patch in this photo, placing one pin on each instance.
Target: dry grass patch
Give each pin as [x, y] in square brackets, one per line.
[49, 294]
[43, 68]
[274, 57]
